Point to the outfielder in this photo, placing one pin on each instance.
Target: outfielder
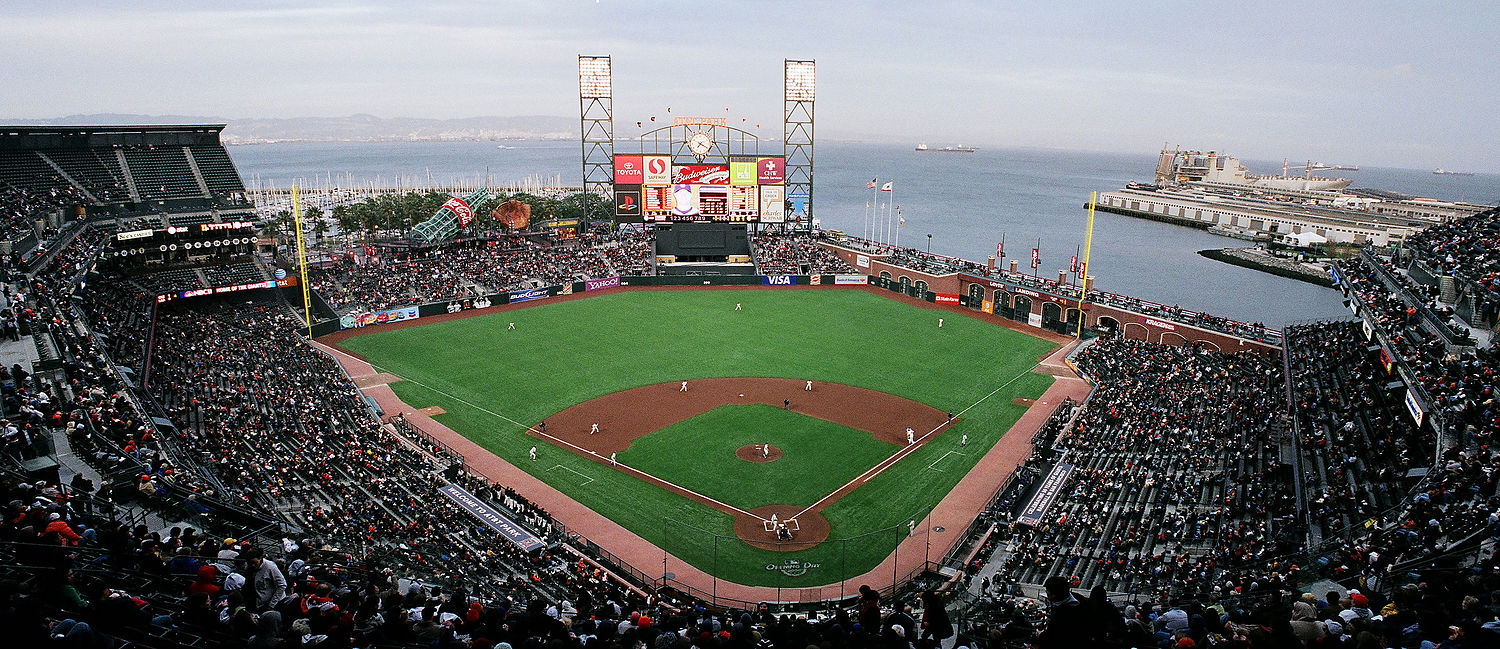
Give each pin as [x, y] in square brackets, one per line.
[512, 326]
[737, 307]
[533, 454]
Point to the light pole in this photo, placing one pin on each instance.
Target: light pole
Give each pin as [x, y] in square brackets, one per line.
[929, 244]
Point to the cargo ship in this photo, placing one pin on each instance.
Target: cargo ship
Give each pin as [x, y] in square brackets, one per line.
[947, 149]
[1216, 170]
[1444, 172]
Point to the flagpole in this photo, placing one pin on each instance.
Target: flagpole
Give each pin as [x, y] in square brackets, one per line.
[898, 228]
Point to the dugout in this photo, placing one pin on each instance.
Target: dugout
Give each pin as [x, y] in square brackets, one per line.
[703, 249]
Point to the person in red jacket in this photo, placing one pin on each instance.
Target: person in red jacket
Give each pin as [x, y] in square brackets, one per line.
[57, 524]
[204, 582]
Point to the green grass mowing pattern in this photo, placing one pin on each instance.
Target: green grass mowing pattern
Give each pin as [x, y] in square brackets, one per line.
[564, 353]
[699, 453]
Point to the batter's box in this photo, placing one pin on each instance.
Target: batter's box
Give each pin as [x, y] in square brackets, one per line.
[585, 479]
[790, 523]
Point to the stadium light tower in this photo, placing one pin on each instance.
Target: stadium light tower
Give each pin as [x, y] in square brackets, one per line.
[596, 116]
[799, 83]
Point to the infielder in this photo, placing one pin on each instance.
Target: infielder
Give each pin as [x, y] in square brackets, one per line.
[684, 387]
[808, 387]
[911, 436]
[533, 454]
[595, 429]
[612, 459]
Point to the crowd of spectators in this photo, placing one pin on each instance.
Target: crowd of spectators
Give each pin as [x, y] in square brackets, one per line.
[1464, 248]
[1176, 483]
[795, 254]
[21, 208]
[384, 280]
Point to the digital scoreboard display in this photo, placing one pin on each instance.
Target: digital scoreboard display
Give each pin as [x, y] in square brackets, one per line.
[748, 189]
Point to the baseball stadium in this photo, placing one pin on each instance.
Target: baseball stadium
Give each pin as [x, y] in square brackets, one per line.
[665, 407]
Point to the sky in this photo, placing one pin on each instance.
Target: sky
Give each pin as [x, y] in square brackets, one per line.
[1404, 84]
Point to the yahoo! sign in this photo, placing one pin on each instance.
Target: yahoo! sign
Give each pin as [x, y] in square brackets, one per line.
[597, 284]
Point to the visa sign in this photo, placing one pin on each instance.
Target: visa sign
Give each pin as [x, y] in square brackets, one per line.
[778, 280]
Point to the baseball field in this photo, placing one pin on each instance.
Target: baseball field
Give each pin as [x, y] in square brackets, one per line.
[691, 471]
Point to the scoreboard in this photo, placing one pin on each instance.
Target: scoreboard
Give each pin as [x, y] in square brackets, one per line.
[651, 189]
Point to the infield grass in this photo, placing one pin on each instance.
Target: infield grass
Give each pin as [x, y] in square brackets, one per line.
[699, 453]
[494, 382]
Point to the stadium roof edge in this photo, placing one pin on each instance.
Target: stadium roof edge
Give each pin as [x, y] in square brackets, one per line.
[33, 129]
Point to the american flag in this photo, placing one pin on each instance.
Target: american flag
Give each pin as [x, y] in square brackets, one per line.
[871, 184]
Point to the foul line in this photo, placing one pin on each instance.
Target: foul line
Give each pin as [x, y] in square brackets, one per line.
[581, 450]
[879, 468]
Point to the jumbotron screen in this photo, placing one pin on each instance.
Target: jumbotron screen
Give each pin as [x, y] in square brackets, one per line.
[650, 189]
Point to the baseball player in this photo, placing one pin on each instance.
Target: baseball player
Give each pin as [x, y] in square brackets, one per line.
[808, 387]
[684, 387]
[940, 323]
[595, 429]
[512, 326]
[533, 454]
[737, 307]
[911, 436]
[786, 404]
[964, 441]
[612, 459]
[765, 451]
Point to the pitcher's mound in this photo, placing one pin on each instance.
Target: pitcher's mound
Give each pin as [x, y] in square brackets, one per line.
[811, 528]
[758, 453]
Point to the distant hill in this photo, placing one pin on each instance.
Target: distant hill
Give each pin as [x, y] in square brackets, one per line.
[353, 128]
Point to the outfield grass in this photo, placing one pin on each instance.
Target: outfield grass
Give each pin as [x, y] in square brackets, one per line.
[493, 382]
[818, 456]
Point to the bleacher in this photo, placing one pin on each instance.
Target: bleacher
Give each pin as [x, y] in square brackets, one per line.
[217, 169]
[162, 173]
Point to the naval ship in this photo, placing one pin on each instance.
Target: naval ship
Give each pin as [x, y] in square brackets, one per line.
[1212, 168]
[947, 149]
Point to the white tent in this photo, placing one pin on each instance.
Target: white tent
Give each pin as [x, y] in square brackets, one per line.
[1306, 239]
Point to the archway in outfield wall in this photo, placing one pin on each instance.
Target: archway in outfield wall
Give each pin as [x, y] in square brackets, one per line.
[921, 288]
[976, 296]
[1071, 320]
[1109, 325]
[1136, 331]
[1173, 338]
[1051, 316]
[906, 285]
[1022, 309]
[885, 274]
[1209, 344]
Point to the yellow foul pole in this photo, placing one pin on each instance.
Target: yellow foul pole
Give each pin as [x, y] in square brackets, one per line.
[302, 262]
[1083, 276]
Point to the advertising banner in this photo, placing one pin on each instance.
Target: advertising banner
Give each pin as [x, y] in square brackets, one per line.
[863, 261]
[1417, 414]
[459, 207]
[987, 306]
[778, 280]
[1386, 358]
[1153, 322]
[528, 295]
[378, 317]
[658, 170]
[1369, 331]
[815, 280]
[851, 280]
[601, 283]
[771, 171]
[772, 204]
[628, 202]
[1051, 487]
[1036, 258]
[492, 518]
[700, 175]
[628, 170]
[742, 172]
[946, 298]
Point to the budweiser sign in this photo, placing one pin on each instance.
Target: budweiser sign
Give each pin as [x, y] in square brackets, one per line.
[700, 175]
